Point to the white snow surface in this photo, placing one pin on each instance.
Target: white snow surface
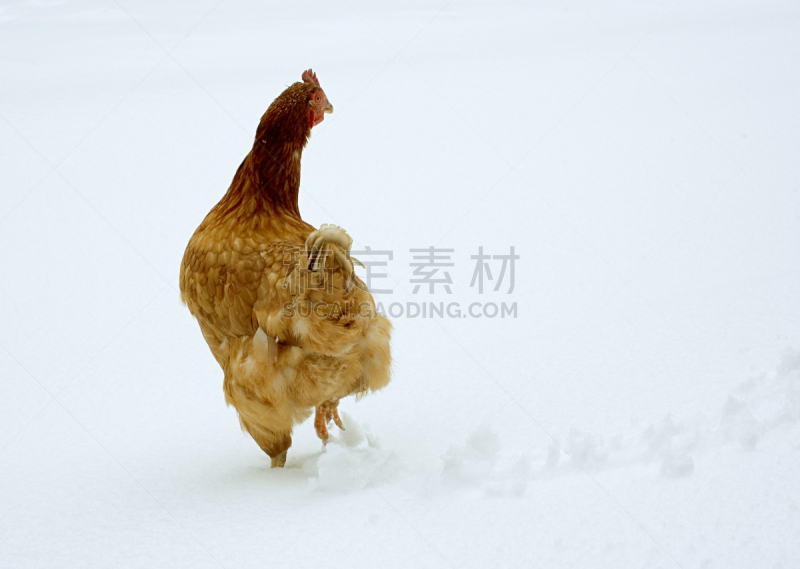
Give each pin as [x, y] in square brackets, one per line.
[642, 410]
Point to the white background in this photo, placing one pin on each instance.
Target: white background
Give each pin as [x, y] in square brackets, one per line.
[643, 410]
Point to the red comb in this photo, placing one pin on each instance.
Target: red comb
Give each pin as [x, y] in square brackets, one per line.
[310, 77]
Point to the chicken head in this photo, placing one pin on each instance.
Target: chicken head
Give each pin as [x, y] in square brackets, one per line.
[318, 102]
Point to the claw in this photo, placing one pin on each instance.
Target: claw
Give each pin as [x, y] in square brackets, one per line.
[320, 423]
[336, 419]
[325, 413]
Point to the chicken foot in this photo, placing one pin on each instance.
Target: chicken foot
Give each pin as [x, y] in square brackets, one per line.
[326, 413]
[278, 461]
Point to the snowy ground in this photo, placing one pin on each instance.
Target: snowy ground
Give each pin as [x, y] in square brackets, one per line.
[643, 409]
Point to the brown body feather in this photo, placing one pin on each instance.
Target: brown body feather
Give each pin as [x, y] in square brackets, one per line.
[289, 336]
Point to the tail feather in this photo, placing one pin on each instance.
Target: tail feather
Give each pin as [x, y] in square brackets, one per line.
[329, 248]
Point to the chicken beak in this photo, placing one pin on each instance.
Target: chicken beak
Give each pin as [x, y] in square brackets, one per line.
[329, 109]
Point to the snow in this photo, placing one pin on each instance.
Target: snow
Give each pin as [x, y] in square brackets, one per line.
[643, 409]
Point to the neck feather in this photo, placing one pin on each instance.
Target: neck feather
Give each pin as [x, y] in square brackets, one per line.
[268, 181]
[276, 169]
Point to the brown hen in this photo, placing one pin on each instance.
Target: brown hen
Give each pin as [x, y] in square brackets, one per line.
[278, 302]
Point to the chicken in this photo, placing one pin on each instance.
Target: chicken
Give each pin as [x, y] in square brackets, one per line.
[278, 302]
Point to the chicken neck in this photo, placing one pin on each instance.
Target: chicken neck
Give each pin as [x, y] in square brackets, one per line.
[276, 168]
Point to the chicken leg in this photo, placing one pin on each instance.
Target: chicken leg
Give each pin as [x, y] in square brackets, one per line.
[326, 413]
